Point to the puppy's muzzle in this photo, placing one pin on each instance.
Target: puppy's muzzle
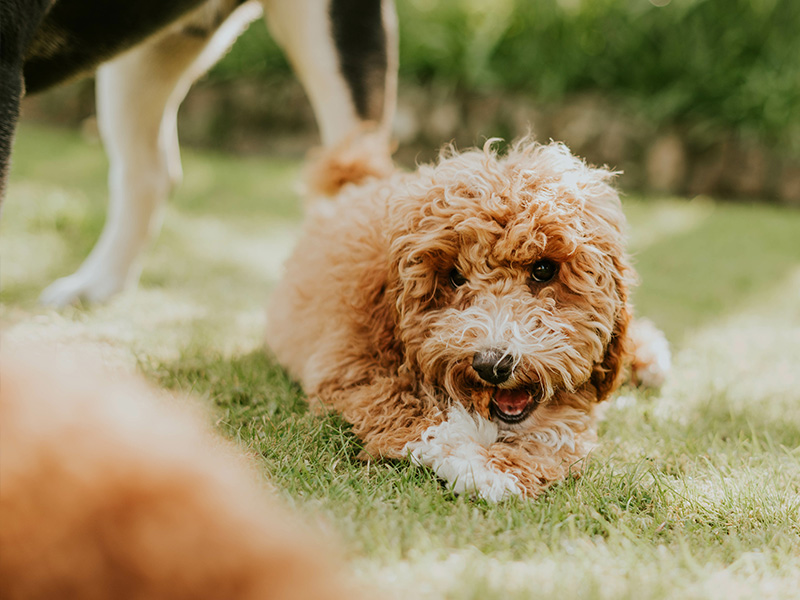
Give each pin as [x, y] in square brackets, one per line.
[493, 366]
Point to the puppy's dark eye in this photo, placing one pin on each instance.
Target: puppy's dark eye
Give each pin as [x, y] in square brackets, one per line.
[457, 279]
[544, 270]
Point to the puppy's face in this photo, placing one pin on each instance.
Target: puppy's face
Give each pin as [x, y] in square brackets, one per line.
[511, 280]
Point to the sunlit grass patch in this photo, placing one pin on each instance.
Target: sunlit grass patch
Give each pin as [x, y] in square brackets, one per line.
[693, 492]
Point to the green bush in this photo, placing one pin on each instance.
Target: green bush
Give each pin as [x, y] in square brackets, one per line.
[732, 64]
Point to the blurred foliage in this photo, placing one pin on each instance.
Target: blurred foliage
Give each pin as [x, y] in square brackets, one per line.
[730, 64]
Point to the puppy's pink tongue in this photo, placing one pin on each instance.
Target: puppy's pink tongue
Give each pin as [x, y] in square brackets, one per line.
[511, 402]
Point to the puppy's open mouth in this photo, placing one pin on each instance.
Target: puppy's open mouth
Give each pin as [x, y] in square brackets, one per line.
[513, 406]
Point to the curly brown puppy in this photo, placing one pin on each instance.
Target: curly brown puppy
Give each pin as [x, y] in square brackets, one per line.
[108, 493]
[469, 315]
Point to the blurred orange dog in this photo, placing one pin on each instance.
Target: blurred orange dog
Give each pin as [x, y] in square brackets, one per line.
[108, 492]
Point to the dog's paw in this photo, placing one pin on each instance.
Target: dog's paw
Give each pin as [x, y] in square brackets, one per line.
[81, 286]
[651, 357]
[456, 450]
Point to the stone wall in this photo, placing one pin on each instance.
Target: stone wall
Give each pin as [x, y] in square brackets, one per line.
[263, 117]
[672, 160]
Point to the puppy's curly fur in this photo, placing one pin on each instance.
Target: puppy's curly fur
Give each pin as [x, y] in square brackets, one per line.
[109, 493]
[469, 315]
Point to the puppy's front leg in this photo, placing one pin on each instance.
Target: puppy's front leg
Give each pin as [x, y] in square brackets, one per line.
[464, 449]
[460, 451]
[472, 456]
[385, 414]
[395, 421]
[534, 467]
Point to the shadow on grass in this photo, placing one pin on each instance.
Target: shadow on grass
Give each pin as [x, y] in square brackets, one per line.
[727, 261]
[256, 402]
[245, 386]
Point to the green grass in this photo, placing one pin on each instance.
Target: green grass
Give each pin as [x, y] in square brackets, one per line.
[693, 493]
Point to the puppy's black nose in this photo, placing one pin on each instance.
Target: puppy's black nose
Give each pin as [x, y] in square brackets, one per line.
[493, 366]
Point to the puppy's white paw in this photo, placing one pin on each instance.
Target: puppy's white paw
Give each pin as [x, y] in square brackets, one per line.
[652, 359]
[89, 286]
[456, 451]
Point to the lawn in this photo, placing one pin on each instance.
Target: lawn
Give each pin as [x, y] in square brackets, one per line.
[694, 492]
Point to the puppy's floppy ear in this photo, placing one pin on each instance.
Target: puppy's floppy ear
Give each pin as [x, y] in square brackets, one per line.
[604, 214]
[607, 375]
[376, 304]
[418, 255]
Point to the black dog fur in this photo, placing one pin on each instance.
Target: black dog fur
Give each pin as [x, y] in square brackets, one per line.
[45, 42]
